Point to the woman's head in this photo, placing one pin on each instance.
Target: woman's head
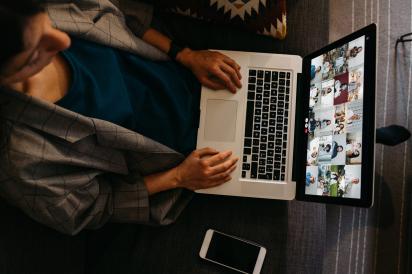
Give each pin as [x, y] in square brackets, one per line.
[29, 41]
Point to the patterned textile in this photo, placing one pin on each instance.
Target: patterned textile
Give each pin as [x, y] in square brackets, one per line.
[267, 17]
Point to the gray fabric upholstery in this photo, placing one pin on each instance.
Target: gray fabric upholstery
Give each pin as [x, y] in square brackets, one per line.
[378, 240]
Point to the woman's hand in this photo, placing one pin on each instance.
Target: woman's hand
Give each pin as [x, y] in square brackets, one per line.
[198, 172]
[213, 69]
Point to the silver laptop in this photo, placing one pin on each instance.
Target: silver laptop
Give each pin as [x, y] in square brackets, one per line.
[258, 123]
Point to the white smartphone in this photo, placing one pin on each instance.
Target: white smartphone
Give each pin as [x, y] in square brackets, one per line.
[232, 252]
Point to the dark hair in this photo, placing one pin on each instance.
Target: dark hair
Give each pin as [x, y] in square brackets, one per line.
[13, 17]
[354, 154]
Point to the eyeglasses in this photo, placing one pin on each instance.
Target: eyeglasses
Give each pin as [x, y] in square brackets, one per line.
[404, 38]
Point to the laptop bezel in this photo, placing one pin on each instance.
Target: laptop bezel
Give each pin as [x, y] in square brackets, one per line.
[368, 124]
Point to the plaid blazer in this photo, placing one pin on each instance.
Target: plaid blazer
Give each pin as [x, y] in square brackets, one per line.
[72, 172]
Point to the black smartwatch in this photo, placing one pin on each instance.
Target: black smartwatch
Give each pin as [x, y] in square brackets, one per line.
[174, 50]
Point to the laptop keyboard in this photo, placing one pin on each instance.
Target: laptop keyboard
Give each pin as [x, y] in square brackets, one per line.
[267, 112]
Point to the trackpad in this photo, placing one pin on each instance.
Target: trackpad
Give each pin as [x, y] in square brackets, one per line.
[221, 118]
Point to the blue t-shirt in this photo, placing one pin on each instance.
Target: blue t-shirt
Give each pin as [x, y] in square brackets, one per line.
[159, 100]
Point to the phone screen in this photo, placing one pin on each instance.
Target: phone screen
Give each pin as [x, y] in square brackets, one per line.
[233, 252]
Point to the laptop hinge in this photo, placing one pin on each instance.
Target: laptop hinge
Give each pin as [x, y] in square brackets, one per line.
[298, 154]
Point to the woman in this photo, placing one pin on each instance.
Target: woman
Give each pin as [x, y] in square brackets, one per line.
[156, 99]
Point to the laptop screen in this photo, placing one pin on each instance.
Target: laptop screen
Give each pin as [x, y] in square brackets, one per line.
[334, 126]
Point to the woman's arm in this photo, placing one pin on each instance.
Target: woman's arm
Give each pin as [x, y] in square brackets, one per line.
[203, 168]
[213, 69]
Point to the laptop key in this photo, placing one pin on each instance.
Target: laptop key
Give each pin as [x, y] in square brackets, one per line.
[258, 104]
[275, 75]
[266, 86]
[255, 142]
[251, 87]
[263, 146]
[249, 118]
[252, 72]
[262, 169]
[282, 177]
[264, 123]
[267, 76]
[265, 116]
[271, 145]
[282, 74]
[246, 166]
[271, 129]
[269, 168]
[258, 111]
[266, 101]
[276, 175]
[255, 157]
[266, 93]
[247, 151]
[258, 97]
[262, 154]
[272, 114]
[270, 161]
[263, 139]
[264, 131]
[248, 142]
[271, 137]
[262, 162]
[270, 152]
[260, 74]
[244, 158]
[259, 82]
[243, 174]
[252, 80]
[251, 95]
[277, 157]
[255, 149]
[253, 170]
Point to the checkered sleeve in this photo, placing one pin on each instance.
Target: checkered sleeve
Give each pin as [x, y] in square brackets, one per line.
[138, 15]
[65, 185]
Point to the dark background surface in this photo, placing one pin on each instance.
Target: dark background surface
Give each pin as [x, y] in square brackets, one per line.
[294, 242]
